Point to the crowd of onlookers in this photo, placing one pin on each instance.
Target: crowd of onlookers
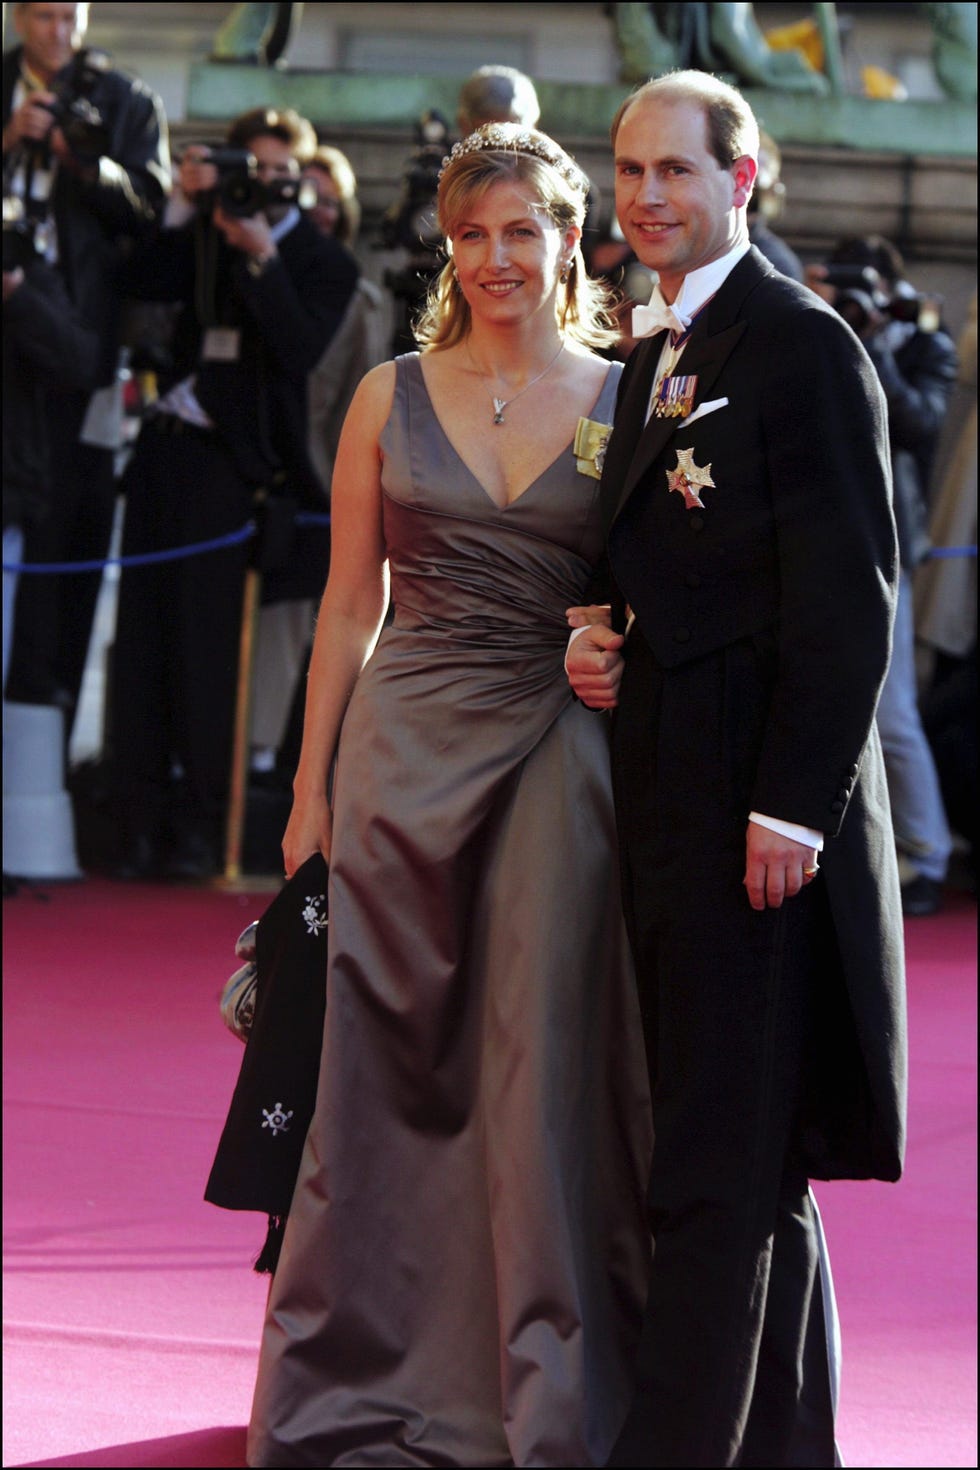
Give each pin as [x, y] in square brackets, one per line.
[231, 290]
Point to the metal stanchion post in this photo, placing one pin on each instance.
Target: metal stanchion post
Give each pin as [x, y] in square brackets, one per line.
[238, 781]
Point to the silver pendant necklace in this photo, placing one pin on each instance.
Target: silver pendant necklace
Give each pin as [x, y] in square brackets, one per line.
[499, 404]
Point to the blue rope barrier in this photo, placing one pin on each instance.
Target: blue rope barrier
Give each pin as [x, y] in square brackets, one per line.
[147, 558]
[235, 538]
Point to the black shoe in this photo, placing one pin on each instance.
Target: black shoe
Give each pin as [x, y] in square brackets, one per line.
[139, 860]
[921, 896]
[193, 856]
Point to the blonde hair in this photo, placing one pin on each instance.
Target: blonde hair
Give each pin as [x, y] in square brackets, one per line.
[499, 154]
[337, 167]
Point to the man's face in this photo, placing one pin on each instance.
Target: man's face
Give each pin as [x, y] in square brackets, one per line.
[51, 34]
[678, 208]
[275, 161]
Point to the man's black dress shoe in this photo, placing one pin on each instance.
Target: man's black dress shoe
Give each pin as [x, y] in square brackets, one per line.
[921, 896]
[194, 855]
[138, 860]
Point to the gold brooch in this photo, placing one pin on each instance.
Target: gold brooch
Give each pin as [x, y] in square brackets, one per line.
[591, 442]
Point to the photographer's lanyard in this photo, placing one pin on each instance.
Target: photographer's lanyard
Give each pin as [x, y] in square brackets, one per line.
[29, 174]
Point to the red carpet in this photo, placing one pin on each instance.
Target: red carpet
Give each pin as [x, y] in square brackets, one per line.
[131, 1313]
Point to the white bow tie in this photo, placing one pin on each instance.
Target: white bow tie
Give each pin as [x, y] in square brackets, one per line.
[657, 317]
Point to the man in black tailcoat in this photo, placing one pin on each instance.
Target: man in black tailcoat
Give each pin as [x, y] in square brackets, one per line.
[752, 544]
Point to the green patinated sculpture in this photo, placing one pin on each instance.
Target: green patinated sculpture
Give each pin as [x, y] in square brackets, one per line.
[652, 39]
[255, 33]
[725, 39]
[954, 49]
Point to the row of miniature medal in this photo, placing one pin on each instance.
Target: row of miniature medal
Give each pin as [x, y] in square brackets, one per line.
[673, 397]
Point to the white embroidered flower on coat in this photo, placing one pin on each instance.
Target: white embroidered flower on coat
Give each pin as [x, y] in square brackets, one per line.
[313, 918]
[277, 1119]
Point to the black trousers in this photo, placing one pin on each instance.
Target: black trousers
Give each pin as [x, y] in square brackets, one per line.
[733, 1365]
[54, 613]
[176, 654]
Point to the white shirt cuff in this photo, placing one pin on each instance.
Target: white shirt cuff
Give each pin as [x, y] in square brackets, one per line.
[809, 836]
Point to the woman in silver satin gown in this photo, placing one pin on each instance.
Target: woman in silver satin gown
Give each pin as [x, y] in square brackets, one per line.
[464, 1265]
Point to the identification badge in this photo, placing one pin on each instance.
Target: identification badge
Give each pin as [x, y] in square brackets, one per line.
[221, 344]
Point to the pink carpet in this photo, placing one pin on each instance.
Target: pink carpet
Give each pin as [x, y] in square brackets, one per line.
[131, 1313]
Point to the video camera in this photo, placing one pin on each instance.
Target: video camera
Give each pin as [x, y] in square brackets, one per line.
[410, 221]
[81, 123]
[242, 193]
[861, 293]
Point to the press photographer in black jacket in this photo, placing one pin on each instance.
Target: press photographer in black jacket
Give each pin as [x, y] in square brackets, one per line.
[915, 359]
[47, 349]
[85, 155]
[260, 293]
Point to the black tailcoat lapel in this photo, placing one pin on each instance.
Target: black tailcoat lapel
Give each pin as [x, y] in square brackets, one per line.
[637, 442]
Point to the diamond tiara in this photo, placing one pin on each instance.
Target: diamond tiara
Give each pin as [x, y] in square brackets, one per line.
[511, 138]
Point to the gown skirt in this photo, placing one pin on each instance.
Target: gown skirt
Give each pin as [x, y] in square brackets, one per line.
[466, 1258]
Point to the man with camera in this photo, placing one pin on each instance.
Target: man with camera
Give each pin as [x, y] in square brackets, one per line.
[864, 279]
[86, 169]
[259, 293]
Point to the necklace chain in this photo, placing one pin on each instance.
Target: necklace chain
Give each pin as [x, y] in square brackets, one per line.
[499, 404]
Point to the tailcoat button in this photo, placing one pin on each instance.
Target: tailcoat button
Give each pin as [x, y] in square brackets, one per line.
[692, 580]
[836, 806]
[682, 635]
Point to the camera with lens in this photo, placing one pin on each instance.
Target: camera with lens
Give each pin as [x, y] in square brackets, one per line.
[242, 193]
[410, 221]
[862, 295]
[81, 123]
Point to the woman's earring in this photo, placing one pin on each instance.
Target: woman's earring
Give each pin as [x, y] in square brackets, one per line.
[563, 273]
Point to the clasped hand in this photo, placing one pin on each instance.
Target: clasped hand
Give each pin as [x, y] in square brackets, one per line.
[593, 661]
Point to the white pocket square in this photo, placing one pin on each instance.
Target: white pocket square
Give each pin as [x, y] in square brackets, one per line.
[700, 412]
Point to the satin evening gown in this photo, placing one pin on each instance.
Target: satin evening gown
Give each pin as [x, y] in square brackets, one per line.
[465, 1262]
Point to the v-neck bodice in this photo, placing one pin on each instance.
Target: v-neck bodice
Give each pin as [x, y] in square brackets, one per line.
[458, 560]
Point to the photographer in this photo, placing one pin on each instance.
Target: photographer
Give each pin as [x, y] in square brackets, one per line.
[864, 279]
[46, 348]
[260, 293]
[86, 167]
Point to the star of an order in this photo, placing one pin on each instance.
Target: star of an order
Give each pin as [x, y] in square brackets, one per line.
[688, 478]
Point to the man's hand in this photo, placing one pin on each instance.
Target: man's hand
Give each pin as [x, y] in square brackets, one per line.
[594, 664]
[252, 235]
[12, 281]
[31, 123]
[196, 175]
[776, 867]
[584, 617]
